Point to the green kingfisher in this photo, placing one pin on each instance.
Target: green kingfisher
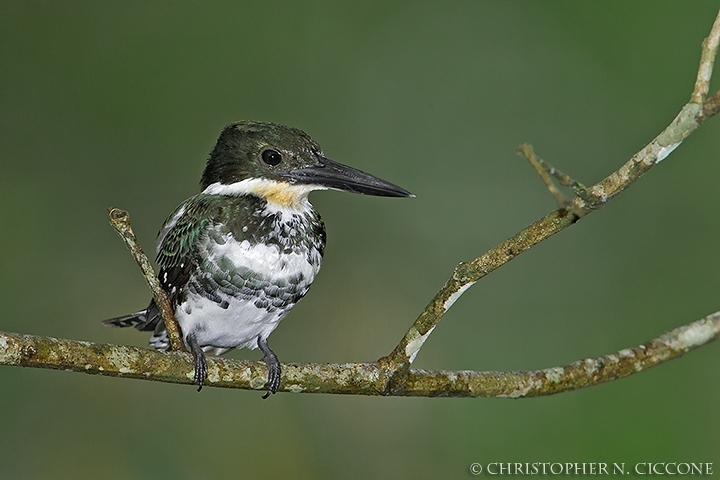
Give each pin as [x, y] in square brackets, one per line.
[235, 258]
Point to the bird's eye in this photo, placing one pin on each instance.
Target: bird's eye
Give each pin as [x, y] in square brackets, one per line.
[271, 157]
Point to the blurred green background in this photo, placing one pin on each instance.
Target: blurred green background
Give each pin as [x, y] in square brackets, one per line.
[118, 104]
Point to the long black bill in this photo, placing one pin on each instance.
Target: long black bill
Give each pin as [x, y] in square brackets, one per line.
[342, 177]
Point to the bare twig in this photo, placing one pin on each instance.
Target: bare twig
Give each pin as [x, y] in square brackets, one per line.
[352, 378]
[526, 150]
[707, 59]
[544, 170]
[120, 220]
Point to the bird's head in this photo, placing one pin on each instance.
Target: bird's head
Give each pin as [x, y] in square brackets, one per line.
[281, 164]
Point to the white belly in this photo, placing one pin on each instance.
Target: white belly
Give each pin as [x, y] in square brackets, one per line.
[248, 314]
[238, 325]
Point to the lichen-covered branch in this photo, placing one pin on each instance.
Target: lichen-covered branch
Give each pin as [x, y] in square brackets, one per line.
[466, 274]
[351, 378]
[120, 221]
[177, 367]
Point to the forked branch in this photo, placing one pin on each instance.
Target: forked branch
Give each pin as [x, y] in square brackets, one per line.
[466, 274]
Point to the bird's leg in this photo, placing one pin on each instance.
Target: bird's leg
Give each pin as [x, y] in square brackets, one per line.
[273, 365]
[201, 368]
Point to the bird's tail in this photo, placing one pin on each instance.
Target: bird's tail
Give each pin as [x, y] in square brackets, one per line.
[133, 320]
[143, 320]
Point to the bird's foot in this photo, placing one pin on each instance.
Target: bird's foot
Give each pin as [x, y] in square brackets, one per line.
[201, 367]
[274, 370]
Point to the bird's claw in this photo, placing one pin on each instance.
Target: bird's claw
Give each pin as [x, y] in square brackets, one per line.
[273, 381]
[201, 367]
[201, 371]
[273, 365]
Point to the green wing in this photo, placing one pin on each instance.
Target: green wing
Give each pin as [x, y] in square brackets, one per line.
[177, 251]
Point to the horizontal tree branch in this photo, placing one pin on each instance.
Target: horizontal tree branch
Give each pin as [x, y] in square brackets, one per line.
[351, 378]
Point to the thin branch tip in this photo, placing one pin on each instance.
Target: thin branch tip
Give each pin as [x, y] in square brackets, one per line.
[120, 221]
[118, 215]
[707, 60]
[546, 171]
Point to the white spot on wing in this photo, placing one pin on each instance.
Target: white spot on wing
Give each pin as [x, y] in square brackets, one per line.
[169, 225]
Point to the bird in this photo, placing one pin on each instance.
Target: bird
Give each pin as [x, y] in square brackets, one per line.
[235, 258]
